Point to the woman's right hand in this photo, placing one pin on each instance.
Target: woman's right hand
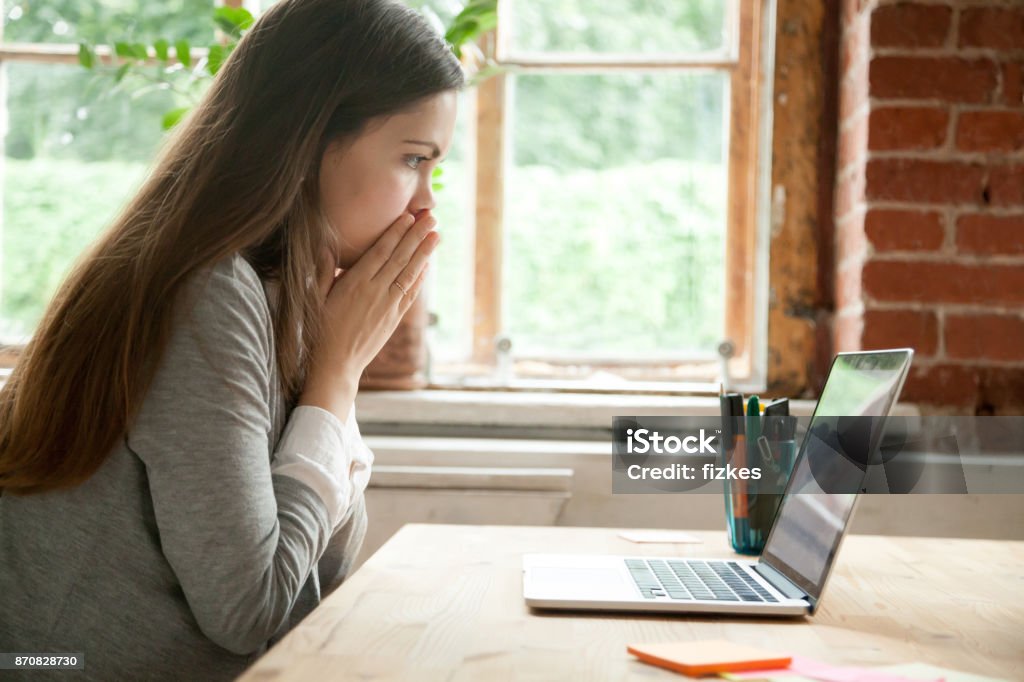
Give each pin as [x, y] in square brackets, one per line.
[364, 306]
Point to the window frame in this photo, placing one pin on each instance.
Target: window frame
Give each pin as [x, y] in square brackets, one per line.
[66, 53]
[748, 61]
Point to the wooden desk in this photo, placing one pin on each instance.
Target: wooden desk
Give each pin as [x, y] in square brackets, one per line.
[445, 602]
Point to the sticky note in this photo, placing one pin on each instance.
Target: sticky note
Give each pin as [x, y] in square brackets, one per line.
[779, 675]
[709, 656]
[924, 671]
[823, 672]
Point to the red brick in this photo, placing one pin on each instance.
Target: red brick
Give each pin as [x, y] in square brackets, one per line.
[970, 389]
[1006, 185]
[910, 25]
[849, 285]
[916, 329]
[1002, 390]
[997, 27]
[893, 230]
[846, 331]
[989, 234]
[853, 93]
[950, 385]
[852, 10]
[985, 337]
[850, 240]
[854, 45]
[1013, 84]
[990, 131]
[847, 12]
[853, 141]
[849, 193]
[943, 282]
[857, 8]
[907, 128]
[949, 79]
[938, 182]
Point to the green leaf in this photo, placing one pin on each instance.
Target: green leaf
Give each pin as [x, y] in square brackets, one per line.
[160, 47]
[456, 36]
[215, 58]
[474, 19]
[121, 71]
[86, 57]
[478, 9]
[227, 26]
[122, 49]
[172, 117]
[487, 22]
[139, 51]
[232, 20]
[181, 50]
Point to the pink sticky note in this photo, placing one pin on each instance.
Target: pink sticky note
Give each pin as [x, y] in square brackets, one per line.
[824, 672]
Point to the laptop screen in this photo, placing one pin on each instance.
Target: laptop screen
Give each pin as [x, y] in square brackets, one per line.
[831, 467]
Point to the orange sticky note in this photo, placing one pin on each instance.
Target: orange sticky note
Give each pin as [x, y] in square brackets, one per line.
[709, 656]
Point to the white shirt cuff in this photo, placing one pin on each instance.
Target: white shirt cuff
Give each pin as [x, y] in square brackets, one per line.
[321, 452]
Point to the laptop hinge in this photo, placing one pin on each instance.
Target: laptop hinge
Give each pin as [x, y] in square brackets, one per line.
[779, 581]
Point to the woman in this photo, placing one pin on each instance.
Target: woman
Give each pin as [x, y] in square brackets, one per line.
[181, 473]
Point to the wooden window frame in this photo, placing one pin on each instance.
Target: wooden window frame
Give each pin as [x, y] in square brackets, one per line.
[66, 53]
[747, 60]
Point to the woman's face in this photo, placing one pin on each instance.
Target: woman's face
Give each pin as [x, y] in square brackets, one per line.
[368, 182]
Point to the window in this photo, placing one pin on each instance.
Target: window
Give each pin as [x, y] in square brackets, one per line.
[600, 207]
[615, 215]
[73, 151]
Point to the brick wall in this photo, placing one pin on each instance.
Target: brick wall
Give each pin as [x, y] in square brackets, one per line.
[929, 200]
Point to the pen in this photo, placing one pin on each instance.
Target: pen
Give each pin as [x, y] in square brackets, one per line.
[772, 411]
[732, 419]
[733, 441]
[726, 410]
[753, 434]
[777, 408]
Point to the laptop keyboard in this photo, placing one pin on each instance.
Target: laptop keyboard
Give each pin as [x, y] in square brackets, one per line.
[692, 579]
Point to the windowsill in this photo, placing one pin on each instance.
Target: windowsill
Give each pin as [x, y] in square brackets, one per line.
[534, 410]
[526, 410]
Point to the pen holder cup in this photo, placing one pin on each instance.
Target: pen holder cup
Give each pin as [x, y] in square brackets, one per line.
[751, 503]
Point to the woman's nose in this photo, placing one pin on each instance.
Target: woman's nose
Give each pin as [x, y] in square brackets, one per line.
[423, 199]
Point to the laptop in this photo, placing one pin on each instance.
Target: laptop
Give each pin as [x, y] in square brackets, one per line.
[790, 576]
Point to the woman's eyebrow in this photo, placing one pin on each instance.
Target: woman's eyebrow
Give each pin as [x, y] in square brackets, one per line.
[431, 145]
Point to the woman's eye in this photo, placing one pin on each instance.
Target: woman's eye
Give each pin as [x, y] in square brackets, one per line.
[415, 161]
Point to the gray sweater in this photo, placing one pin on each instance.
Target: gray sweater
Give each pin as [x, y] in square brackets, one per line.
[182, 557]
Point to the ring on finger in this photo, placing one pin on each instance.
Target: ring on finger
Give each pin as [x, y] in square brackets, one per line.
[400, 288]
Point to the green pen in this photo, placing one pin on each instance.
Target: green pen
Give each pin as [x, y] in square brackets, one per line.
[753, 418]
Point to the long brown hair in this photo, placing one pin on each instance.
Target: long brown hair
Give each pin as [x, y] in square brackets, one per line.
[240, 175]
